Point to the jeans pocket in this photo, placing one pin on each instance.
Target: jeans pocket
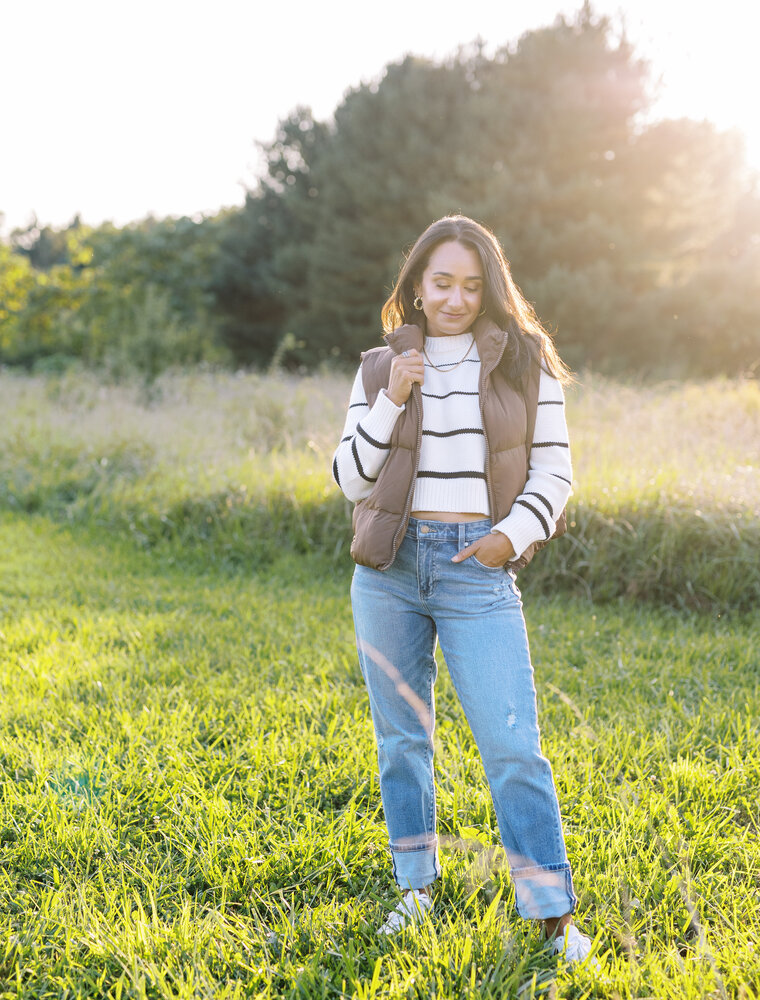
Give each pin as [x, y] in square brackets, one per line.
[488, 569]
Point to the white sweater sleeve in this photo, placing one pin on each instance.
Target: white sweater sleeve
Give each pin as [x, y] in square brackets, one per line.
[534, 513]
[365, 443]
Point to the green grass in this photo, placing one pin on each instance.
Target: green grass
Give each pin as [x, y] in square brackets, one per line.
[190, 804]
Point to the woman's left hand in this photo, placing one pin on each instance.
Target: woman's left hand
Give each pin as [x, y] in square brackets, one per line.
[492, 550]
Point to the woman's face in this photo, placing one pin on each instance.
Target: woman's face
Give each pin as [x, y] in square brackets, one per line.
[451, 289]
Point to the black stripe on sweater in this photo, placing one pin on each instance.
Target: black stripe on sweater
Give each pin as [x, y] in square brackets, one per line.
[530, 493]
[451, 475]
[454, 392]
[371, 440]
[448, 434]
[352, 405]
[550, 402]
[336, 477]
[539, 515]
[556, 475]
[550, 444]
[359, 467]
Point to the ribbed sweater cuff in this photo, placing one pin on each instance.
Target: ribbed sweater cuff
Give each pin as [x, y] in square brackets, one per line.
[381, 419]
[521, 528]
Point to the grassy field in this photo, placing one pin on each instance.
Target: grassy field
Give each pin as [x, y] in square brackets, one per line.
[237, 469]
[189, 801]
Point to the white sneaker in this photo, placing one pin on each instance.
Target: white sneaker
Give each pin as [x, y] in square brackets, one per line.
[574, 947]
[414, 906]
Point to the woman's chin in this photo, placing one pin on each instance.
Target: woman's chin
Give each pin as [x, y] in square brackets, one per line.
[444, 327]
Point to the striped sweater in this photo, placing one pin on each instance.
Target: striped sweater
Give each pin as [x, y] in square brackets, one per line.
[451, 474]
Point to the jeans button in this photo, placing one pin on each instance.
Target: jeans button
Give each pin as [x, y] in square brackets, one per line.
[424, 528]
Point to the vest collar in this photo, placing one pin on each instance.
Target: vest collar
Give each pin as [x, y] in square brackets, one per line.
[405, 338]
[490, 340]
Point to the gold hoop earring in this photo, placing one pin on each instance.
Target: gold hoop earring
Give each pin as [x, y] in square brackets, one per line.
[418, 302]
[482, 311]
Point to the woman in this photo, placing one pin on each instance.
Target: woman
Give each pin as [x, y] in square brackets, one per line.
[453, 493]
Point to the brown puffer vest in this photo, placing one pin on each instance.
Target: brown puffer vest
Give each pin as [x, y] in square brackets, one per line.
[380, 520]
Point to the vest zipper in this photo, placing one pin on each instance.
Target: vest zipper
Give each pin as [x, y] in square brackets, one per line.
[484, 375]
[401, 530]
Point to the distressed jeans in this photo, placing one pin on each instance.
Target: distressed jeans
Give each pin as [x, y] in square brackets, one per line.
[476, 613]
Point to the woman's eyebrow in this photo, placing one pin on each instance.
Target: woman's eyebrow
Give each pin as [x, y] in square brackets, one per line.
[446, 274]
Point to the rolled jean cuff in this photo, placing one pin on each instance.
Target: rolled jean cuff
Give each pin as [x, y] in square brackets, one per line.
[415, 862]
[543, 891]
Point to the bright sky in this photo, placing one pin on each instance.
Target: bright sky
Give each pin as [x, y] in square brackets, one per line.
[115, 110]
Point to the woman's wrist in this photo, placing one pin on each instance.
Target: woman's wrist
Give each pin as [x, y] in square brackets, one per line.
[509, 548]
[389, 397]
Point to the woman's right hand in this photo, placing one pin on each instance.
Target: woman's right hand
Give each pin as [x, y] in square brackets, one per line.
[405, 371]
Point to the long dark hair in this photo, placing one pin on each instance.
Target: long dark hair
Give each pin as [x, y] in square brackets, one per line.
[504, 303]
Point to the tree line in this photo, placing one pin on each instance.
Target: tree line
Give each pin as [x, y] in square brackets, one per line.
[637, 242]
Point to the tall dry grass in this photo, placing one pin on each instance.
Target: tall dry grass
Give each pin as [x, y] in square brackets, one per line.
[237, 468]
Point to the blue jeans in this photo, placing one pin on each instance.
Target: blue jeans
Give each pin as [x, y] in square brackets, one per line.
[476, 612]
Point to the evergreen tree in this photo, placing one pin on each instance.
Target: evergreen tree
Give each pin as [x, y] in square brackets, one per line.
[382, 178]
[615, 229]
[260, 280]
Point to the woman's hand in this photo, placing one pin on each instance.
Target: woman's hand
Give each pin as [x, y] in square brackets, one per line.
[492, 550]
[406, 369]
